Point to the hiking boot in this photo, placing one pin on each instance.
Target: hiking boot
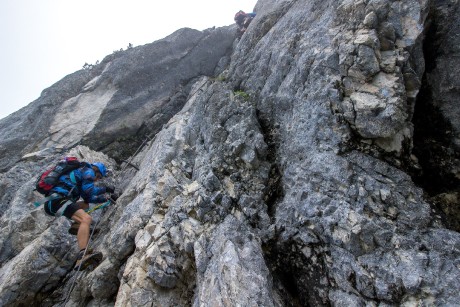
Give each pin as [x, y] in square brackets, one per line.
[89, 259]
[73, 230]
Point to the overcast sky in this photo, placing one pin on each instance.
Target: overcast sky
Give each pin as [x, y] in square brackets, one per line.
[42, 41]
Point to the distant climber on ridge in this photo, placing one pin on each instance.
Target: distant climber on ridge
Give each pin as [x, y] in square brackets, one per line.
[243, 20]
[63, 200]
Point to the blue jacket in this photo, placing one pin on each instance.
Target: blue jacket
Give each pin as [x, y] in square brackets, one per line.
[83, 187]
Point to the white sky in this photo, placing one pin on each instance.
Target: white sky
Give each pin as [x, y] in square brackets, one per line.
[42, 41]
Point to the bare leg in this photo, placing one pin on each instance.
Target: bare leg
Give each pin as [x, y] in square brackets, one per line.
[83, 232]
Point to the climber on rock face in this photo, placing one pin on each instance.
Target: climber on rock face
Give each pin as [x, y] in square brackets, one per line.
[63, 201]
[243, 20]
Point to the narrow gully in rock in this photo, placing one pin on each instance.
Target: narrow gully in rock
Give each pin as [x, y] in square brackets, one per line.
[295, 277]
[433, 144]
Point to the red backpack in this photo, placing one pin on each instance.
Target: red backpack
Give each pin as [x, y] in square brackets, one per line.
[49, 178]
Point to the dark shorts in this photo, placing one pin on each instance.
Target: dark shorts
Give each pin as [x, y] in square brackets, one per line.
[53, 207]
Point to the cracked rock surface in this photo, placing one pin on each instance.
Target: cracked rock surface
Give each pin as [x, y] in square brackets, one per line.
[278, 169]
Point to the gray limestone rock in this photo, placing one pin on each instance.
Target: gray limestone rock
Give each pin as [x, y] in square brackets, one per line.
[438, 109]
[281, 168]
[235, 273]
[130, 93]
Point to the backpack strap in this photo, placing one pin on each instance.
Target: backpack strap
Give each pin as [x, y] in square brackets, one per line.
[73, 180]
[72, 177]
[46, 199]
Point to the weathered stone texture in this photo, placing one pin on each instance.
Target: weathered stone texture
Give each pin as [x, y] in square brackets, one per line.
[280, 179]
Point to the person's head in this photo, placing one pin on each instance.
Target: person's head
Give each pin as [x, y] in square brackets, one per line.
[239, 17]
[100, 170]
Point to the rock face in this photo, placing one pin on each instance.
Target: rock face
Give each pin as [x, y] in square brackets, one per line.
[273, 170]
[437, 114]
[130, 94]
